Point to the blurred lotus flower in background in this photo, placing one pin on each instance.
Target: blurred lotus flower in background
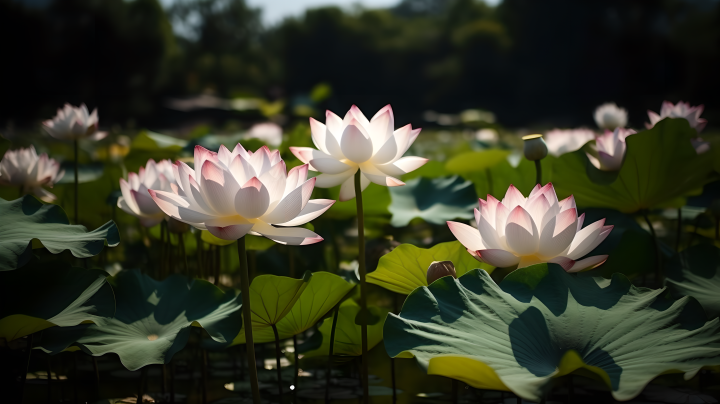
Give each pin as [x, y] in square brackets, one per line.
[268, 132]
[25, 169]
[354, 143]
[610, 116]
[235, 193]
[136, 199]
[561, 141]
[525, 231]
[611, 148]
[679, 110]
[73, 123]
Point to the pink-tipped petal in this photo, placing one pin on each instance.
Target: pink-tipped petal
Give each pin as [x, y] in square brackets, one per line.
[467, 236]
[312, 210]
[521, 232]
[287, 235]
[588, 263]
[231, 232]
[355, 145]
[252, 200]
[498, 258]
[347, 190]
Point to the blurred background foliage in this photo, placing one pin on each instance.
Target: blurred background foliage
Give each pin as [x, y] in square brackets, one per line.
[138, 62]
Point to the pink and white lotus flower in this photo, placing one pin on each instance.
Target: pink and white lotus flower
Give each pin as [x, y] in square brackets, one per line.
[611, 149]
[25, 169]
[525, 231]
[73, 123]
[353, 143]
[561, 141]
[136, 199]
[610, 116]
[232, 194]
[679, 110]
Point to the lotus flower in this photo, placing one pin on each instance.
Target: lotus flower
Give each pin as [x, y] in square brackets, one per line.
[525, 231]
[354, 143]
[236, 193]
[73, 123]
[25, 169]
[561, 141]
[679, 110]
[610, 116]
[611, 148]
[136, 199]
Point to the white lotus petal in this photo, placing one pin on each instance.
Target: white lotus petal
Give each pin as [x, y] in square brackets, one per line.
[231, 232]
[355, 145]
[521, 232]
[332, 180]
[381, 127]
[467, 235]
[498, 258]
[588, 263]
[287, 235]
[252, 200]
[312, 210]
[347, 190]
[291, 205]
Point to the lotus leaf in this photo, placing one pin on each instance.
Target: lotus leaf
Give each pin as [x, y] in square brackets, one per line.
[696, 272]
[405, 268]
[496, 179]
[44, 295]
[86, 172]
[26, 219]
[541, 323]
[347, 332]
[433, 200]
[476, 161]
[153, 319]
[272, 297]
[661, 168]
[322, 293]
[152, 141]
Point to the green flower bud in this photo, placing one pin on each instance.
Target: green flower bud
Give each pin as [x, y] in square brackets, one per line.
[535, 147]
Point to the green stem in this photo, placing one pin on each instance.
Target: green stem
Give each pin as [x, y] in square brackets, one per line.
[247, 320]
[291, 258]
[204, 376]
[296, 381]
[330, 354]
[678, 236]
[181, 240]
[198, 253]
[363, 286]
[277, 363]
[658, 274]
[538, 172]
[75, 148]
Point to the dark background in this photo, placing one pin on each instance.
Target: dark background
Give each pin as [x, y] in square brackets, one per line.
[532, 63]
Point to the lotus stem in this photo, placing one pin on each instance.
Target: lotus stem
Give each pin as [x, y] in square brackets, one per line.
[163, 246]
[204, 376]
[571, 386]
[330, 354]
[143, 374]
[277, 363]
[172, 383]
[97, 374]
[679, 230]
[75, 378]
[217, 262]
[163, 386]
[454, 393]
[27, 365]
[538, 173]
[291, 259]
[296, 380]
[392, 360]
[49, 379]
[247, 319]
[658, 275]
[181, 241]
[363, 286]
[198, 253]
[488, 174]
[75, 148]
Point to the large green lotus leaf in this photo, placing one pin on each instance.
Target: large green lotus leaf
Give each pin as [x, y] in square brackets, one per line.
[323, 292]
[431, 169]
[696, 272]
[405, 268]
[272, 297]
[26, 218]
[347, 332]
[153, 319]
[433, 200]
[44, 295]
[497, 179]
[541, 323]
[661, 168]
[376, 200]
[476, 161]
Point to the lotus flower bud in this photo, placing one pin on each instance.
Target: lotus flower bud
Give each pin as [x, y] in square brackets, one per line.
[535, 147]
[439, 269]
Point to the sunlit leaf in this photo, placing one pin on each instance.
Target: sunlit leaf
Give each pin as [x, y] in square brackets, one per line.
[151, 141]
[43, 295]
[405, 268]
[476, 161]
[347, 333]
[26, 219]
[323, 292]
[541, 323]
[153, 319]
[433, 200]
[661, 168]
[86, 172]
[272, 297]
